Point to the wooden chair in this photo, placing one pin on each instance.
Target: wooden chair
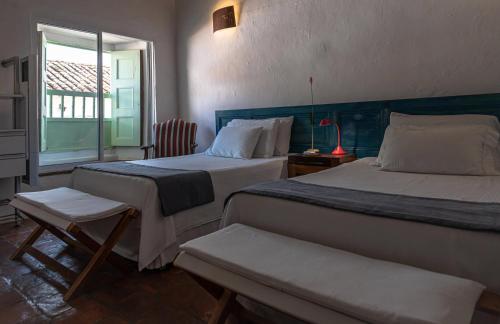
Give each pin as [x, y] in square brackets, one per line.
[67, 230]
[174, 137]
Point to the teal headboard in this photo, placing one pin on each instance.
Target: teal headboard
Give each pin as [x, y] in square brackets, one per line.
[363, 123]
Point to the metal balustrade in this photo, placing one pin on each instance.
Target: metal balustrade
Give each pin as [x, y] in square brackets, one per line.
[70, 121]
[57, 104]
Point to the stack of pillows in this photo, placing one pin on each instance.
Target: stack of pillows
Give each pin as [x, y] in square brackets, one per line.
[453, 144]
[253, 138]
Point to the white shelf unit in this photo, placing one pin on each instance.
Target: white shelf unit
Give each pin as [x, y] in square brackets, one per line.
[11, 96]
[13, 140]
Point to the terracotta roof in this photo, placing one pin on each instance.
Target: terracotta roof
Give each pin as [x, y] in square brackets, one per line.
[75, 77]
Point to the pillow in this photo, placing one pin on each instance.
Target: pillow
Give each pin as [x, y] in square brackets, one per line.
[284, 133]
[235, 142]
[398, 119]
[462, 150]
[402, 120]
[267, 140]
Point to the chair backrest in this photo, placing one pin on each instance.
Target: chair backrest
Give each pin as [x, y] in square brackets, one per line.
[174, 137]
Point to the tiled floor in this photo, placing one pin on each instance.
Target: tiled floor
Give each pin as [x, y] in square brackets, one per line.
[30, 293]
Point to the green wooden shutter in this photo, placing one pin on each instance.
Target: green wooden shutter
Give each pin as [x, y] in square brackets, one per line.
[126, 98]
[43, 91]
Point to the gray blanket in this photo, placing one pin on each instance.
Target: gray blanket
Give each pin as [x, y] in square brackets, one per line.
[452, 213]
[178, 190]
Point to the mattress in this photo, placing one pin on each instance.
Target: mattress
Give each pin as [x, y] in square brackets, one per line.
[153, 239]
[463, 253]
[363, 174]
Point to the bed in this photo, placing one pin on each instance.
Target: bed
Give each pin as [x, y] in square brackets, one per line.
[457, 250]
[153, 239]
[464, 253]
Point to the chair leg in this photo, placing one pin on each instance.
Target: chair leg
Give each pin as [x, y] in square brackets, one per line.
[101, 254]
[28, 242]
[223, 308]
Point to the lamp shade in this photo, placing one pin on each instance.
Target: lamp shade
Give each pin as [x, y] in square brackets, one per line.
[338, 151]
[224, 18]
[325, 122]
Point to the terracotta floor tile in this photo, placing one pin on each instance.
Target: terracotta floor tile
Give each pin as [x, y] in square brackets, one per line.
[31, 293]
[8, 295]
[20, 312]
[52, 305]
[6, 249]
[10, 228]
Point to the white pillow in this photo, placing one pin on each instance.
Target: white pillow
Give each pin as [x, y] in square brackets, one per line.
[398, 119]
[235, 142]
[440, 150]
[284, 133]
[402, 120]
[267, 141]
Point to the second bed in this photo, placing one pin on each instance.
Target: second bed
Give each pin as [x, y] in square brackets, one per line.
[460, 252]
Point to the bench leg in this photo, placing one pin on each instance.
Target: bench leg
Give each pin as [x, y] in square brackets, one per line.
[92, 246]
[28, 242]
[54, 230]
[101, 254]
[223, 308]
[215, 290]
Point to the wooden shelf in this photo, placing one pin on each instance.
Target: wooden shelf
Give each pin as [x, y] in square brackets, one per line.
[11, 96]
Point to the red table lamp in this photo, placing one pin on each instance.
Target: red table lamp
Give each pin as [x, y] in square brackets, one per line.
[338, 150]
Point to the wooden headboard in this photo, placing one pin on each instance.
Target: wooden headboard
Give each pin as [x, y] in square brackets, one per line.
[363, 123]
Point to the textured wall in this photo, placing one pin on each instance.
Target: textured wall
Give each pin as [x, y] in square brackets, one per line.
[355, 49]
[145, 19]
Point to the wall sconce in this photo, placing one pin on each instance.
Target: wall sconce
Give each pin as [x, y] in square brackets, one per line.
[224, 18]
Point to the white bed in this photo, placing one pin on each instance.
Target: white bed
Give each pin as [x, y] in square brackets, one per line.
[464, 253]
[153, 239]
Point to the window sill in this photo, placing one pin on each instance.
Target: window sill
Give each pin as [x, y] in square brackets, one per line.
[67, 168]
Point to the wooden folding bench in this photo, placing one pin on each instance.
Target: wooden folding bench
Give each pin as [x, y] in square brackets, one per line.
[320, 284]
[59, 211]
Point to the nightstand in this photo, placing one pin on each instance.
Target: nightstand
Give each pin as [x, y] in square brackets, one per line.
[300, 164]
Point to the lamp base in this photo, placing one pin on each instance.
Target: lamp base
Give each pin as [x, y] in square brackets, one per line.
[311, 151]
[339, 151]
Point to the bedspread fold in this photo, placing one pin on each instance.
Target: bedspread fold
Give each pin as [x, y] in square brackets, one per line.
[178, 190]
[446, 212]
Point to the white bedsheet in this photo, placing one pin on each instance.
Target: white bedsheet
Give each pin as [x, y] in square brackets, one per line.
[153, 239]
[362, 175]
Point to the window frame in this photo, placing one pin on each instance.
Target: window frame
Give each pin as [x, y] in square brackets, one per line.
[148, 116]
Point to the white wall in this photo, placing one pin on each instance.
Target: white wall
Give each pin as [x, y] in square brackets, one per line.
[356, 50]
[151, 20]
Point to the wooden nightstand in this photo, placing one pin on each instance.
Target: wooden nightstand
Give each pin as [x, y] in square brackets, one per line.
[300, 164]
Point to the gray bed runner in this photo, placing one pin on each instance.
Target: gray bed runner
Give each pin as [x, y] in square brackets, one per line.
[178, 190]
[452, 213]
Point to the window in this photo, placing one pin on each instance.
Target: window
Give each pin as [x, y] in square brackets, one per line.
[75, 124]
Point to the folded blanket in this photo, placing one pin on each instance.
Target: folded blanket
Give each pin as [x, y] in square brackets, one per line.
[445, 212]
[178, 190]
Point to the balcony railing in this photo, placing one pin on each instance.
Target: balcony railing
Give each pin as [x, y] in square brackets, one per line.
[71, 121]
[73, 104]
